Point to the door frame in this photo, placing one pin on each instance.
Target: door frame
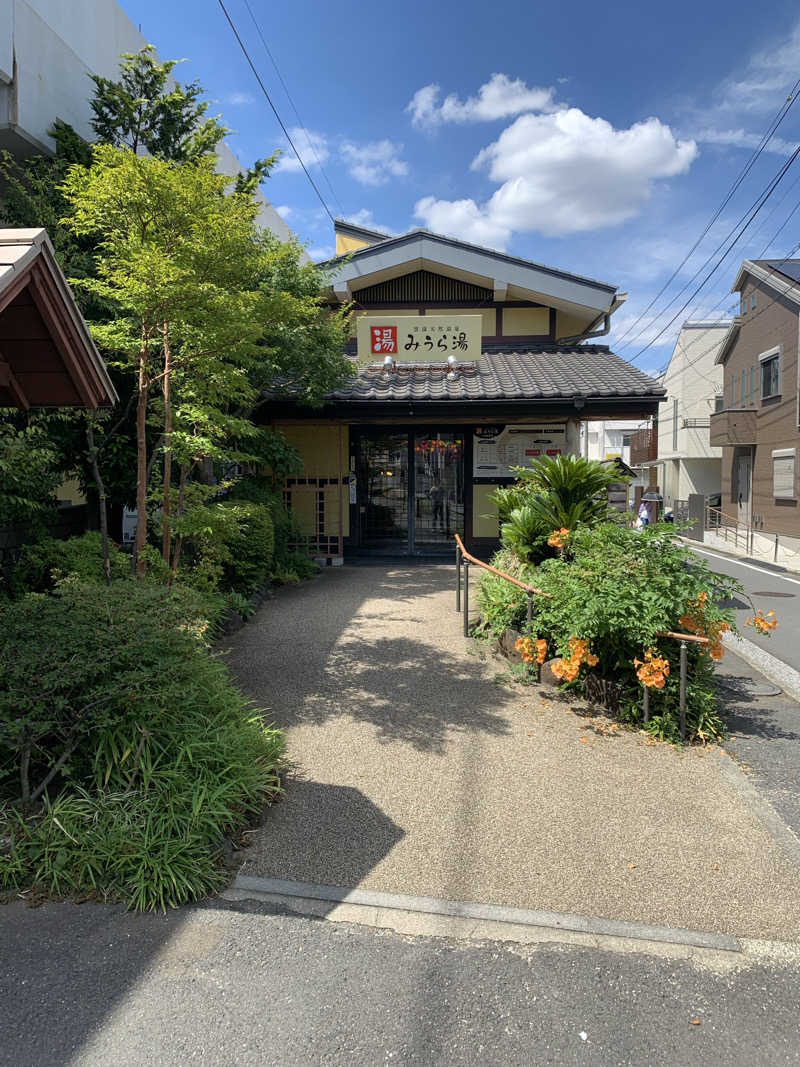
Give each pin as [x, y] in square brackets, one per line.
[406, 548]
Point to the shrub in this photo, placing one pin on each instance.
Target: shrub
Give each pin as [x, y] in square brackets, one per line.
[612, 592]
[42, 563]
[249, 548]
[128, 753]
[288, 557]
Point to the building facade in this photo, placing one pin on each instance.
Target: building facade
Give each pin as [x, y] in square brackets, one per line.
[758, 424]
[686, 462]
[48, 49]
[466, 363]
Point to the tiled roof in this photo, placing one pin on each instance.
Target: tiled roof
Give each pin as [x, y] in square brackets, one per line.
[580, 371]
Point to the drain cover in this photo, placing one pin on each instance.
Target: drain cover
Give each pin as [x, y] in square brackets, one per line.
[770, 592]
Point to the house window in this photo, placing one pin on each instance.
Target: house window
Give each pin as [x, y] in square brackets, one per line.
[770, 373]
[733, 391]
[743, 397]
[743, 307]
[675, 425]
[753, 302]
[784, 473]
[752, 403]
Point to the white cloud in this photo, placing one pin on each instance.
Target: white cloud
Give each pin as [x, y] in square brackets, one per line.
[284, 211]
[464, 219]
[768, 76]
[313, 149]
[240, 99]
[321, 253]
[364, 218]
[743, 139]
[562, 173]
[374, 163]
[498, 98]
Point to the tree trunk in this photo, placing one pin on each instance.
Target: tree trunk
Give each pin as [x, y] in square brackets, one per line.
[101, 498]
[176, 556]
[141, 462]
[165, 506]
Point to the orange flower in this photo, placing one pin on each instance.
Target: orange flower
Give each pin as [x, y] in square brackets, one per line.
[526, 646]
[653, 669]
[558, 538]
[764, 624]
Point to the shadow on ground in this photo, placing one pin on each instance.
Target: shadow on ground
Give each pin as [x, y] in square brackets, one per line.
[353, 643]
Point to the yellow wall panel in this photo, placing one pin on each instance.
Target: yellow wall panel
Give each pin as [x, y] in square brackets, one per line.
[569, 325]
[345, 243]
[319, 447]
[489, 316]
[485, 522]
[521, 321]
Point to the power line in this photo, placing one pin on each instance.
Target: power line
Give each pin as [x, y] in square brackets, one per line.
[781, 114]
[274, 109]
[780, 262]
[300, 122]
[745, 219]
[724, 256]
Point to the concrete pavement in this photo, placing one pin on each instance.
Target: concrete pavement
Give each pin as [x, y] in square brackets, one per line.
[420, 770]
[93, 985]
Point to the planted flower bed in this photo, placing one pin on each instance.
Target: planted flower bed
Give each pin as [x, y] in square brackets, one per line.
[611, 595]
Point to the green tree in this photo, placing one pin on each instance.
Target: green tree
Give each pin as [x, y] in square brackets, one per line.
[180, 258]
[147, 111]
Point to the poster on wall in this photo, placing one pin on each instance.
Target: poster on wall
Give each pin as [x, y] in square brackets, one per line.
[496, 449]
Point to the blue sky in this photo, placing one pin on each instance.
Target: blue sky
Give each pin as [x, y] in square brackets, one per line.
[596, 138]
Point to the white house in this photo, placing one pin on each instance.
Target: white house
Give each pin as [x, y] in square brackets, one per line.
[686, 463]
[48, 49]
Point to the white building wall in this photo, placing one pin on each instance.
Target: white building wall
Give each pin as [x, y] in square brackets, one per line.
[48, 48]
[692, 380]
[687, 463]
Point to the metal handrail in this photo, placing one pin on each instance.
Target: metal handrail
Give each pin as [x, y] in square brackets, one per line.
[725, 522]
[464, 558]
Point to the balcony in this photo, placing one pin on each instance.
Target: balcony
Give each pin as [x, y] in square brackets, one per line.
[644, 447]
[734, 426]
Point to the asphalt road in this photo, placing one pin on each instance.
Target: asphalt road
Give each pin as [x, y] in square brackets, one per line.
[93, 985]
[766, 588]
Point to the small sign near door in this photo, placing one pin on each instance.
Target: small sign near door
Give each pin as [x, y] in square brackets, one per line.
[418, 338]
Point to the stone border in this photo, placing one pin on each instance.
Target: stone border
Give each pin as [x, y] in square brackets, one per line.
[276, 888]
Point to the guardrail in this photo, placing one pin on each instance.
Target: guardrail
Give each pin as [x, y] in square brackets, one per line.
[464, 559]
[718, 522]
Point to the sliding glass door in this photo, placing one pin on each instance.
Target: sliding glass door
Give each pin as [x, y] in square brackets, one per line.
[410, 489]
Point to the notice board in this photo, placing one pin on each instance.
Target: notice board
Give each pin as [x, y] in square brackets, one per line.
[496, 449]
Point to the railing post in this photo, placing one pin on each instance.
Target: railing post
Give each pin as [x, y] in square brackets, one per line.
[458, 578]
[530, 610]
[466, 598]
[683, 691]
[646, 705]
[775, 556]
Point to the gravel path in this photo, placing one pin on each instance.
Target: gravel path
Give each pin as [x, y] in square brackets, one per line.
[419, 769]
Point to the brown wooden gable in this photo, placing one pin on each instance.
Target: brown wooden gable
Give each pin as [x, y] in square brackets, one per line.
[47, 357]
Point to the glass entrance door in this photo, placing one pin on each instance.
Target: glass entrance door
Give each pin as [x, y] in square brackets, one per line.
[438, 491]
[383, 489]
[410, 490]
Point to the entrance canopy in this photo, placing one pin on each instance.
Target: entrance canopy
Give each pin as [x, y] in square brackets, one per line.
[47, 355]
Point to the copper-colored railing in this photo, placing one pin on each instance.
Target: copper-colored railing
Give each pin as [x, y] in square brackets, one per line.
[464, 559]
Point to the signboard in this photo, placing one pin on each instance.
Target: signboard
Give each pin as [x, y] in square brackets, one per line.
[496, 449]
[418, 338]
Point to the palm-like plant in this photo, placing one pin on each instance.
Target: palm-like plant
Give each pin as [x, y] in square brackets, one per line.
[553, 492]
